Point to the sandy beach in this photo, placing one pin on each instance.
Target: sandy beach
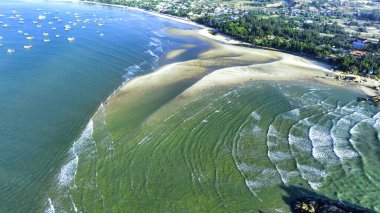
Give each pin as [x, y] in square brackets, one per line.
[253, 63]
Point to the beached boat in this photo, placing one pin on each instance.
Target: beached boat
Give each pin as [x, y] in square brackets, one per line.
[30, 38]
[10, 51]
[28, 46]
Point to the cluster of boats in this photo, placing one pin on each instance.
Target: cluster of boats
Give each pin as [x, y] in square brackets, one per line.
[67, 27]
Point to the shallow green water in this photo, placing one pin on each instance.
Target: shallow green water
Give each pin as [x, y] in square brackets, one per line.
[243, 149]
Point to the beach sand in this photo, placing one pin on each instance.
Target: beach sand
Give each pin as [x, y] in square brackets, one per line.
[237, 65]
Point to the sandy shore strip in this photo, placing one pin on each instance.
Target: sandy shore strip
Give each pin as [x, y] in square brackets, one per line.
[283, 66]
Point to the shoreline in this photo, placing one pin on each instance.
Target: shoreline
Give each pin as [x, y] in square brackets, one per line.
[366, 85]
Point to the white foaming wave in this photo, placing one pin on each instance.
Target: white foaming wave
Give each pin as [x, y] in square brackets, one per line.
[314, 185]
[151, 53]
[322, 148]
[69, 170]
[159, 49]
[256, 129]
[300, 144]
[144, 140]
[157, 34]
[131, 72]
[312, 175]
[50, 208]
[295, 112]
[272, 131]
[279, 156]
[153, 44]
[267, 178]
[256, 116]
[286, 175]
[156, 40]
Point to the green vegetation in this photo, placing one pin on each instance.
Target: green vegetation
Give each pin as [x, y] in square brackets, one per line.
[301, 38]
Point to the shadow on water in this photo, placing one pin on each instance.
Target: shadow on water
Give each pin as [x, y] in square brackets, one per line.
[302, 200]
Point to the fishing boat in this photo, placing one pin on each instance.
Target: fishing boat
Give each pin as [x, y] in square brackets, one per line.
[28, 46]
[70, 39]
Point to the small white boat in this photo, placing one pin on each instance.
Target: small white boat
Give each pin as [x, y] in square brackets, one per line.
[28, 47]
[39, 25]
[1, 45]
[21, 22]
[70, 39]
[60, 20]
[35, 22]
[74, 24]
[101, 34]
[57, 36]
[83, 27]
[54, 28]
[10, 51]
[26, 34]
[5, 25]
[45, 34]
[46, 40]
[1, 37]
[20, 31]
[50, 22]
[100, 24]
[41, 17]
[29, 38]
[56, 17]
[67, 26]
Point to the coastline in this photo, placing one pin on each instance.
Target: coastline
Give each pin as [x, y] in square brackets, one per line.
[325, 76]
